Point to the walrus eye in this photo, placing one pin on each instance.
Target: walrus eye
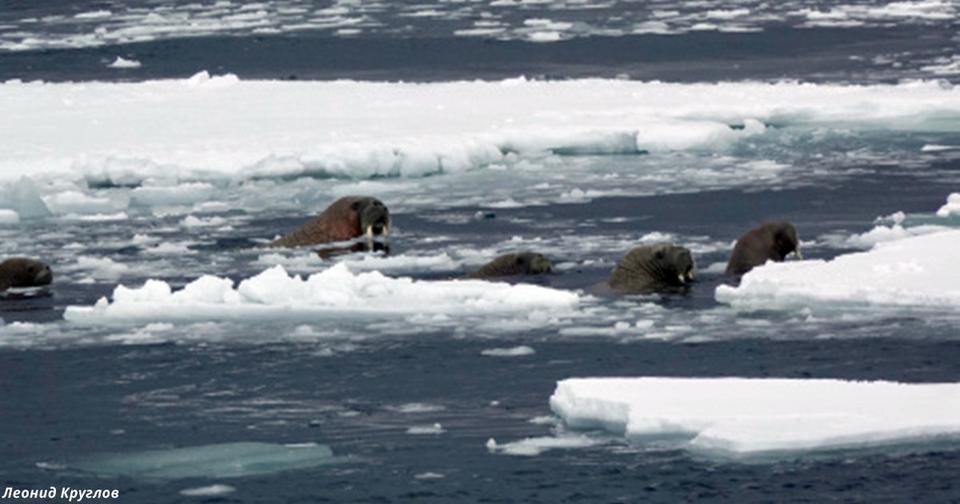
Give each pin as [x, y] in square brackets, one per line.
[659, 254]
[520, 261]
[355, 205]
[32, 270]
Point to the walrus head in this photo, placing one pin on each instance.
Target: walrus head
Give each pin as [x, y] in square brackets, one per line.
[770, 241]
[373, 216]
[521, 263]
[20, 272]
[653, 267]
[785, 240]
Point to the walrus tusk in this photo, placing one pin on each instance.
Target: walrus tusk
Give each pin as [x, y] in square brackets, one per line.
[369, 234]
[683, 279]
[797, 253]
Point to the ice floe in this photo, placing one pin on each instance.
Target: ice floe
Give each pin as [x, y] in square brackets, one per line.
[337, 291]
[227, 460]
[742, 417]
[366, 129]
[517, 351]
[919, 271]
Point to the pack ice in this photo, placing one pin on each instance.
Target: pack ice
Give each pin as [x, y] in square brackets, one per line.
[123, 133]
[274, 294]
[918, 271]
[742, 417]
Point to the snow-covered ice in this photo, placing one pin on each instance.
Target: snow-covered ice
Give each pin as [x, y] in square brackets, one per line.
[122, 133]
[743, 417]
[951, 207]
[918, 271]
[337, 291]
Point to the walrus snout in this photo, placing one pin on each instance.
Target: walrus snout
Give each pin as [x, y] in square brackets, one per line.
[651, 268]
[374, 218]
[534, 264]
[44, 275]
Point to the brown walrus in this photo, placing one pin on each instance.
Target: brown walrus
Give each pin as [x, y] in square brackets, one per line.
[772, 241]
[19, 272]
[345, 219]
[520, 263]
[652, 268]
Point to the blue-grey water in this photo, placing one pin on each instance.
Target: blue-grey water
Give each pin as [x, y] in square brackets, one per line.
[69, 392]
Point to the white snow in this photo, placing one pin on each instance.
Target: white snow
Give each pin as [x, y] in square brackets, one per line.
[881, 234]
[517, 351]
[274, 294]
[918, 271]
[132, 132]
[952, 207]
[749, 417]
[120, 62]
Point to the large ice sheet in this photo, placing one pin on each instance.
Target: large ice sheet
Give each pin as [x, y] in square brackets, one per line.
[126, 133]
[226, 460]
[337, 291]
[918, 271]
[760, 417]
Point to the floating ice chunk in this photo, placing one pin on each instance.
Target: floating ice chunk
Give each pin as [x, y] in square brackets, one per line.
[184, 194]
[124, 63]
[749, 417]
[413, 408]
[228, 460]
[23, 197]
[952, 207]
[531, 447]
[517, 351]
[76, 202]
[918, 271]
[334, 292]
[208, 491]
[881, 234]
[429, 476]
[102, 267]
[9, 216]
[426, 430]
[203, 79]
[938, 148]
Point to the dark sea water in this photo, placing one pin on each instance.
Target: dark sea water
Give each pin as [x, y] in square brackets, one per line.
[70, 391]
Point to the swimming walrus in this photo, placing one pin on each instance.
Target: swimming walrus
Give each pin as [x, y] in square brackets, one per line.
[345, 219]
[19, 272]
[520, 263]
[770, 241]
[651, 268]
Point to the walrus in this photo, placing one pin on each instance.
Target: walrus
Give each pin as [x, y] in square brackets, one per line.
[347, 218]
[520, 263]
[651, 268]
[773, 240]
[19, 272]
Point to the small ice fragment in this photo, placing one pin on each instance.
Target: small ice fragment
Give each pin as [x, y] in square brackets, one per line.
[208, 491]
